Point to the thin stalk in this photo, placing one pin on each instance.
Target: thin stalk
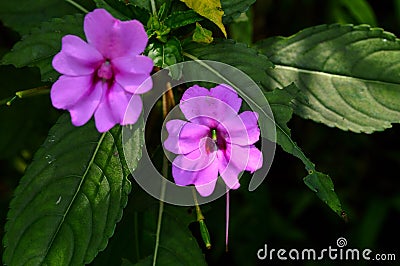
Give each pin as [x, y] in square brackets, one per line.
[78, 6]
[8, 101]
[136, 230]
[26, 94]
[160, 216]
[153, 7]
[167, 103]
[205, 235]
[227, 222]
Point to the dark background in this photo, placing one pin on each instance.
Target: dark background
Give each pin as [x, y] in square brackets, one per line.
[282, 212]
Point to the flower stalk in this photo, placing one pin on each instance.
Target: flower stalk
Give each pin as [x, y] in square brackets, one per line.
[168, 102]
[78, 6]
[26, 94]
[205, 235]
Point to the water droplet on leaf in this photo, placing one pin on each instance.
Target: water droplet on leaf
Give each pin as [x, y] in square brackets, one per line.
[58, 201]
[49, 158]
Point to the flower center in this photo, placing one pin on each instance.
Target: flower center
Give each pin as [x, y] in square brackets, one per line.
[210, 146]
[218, 139]
[105, 71]
[214, 134]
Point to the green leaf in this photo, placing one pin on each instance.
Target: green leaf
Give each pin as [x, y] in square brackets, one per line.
[146, 4]
[124, 11]
[167, 54]
[210, 9]
[242, 29]
[281, 102]
[70, 199]
[322, 185]
[177, 245]
[350, 75]
[372, 222]
[202, 35]
[24, 14]
[359, 10]
[182, 18]
[234, 8]
[239, 55]
[39, 47]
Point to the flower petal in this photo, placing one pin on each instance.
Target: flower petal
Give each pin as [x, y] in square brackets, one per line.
[173, 128]
[185, 137]
[83, 110]
[67, 91]
[255, 161]
[206, 110]
[229, 171]
[228, 95]
[133, 73]
[194, 92]
[133, 110]
[112, 108]
[198, 159]
[76, 57]
[138, 64]
[241, 129]
[236, 159]
[112, 37]
[204, 180]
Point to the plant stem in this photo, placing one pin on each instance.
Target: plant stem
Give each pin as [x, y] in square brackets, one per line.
[159, 220]
[136, 230]
[168, 103]
[25, 94]
[153, 7]
[227, 221]
[205, 235]
[78, 6]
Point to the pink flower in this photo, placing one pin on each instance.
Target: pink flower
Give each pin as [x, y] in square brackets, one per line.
[102, 75]
[215, 139]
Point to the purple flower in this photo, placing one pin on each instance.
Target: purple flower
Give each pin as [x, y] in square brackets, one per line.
[102, 75]
[215, 139]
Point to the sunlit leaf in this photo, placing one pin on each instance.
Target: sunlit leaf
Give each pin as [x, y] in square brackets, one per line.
[38, 48]
[202, 35]
[71, 197]
[210, 9]
[350, 75]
